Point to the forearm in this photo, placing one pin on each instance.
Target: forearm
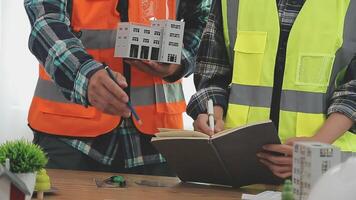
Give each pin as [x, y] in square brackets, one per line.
[344, 101]
[213, 71]
[198, 101]
[334, 127]
[195, 14]
[58, 50]
[341, 113]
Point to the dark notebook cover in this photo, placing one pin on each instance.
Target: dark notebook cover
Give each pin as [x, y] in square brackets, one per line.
[228, 158]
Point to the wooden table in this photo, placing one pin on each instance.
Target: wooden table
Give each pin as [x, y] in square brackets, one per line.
[80, 185]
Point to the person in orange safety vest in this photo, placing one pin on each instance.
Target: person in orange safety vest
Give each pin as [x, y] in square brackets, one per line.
[78, 114]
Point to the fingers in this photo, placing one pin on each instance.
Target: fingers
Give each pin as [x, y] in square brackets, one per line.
[121, 80]
[107, 102]
[278, 160]
[201, 124]
[153, 68]
[279, 148]
[106, 95]
[280, 166]
[163, 69]
[111, 109]
[143, 67]
[114, 89]
[282, 171]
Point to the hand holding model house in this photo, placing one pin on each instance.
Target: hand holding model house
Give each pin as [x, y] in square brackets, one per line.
[154, 68]
[155, 49]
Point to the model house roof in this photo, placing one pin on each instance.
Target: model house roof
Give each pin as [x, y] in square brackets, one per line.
[14, 180]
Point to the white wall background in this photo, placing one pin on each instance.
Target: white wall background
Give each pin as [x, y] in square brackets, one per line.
[18, 73]
[17, 70]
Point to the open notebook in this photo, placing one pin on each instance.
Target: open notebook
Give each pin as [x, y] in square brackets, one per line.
[227, 158]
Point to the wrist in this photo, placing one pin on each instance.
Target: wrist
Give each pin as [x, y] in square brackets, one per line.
[334, 127]
[81, 83]
[176, 75]
[322, 137]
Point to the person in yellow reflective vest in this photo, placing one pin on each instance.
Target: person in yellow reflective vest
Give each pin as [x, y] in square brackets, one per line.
[290, 61]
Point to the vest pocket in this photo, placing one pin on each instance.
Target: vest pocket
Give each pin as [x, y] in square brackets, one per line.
[314, 70]
[249, 53]
[67, 110]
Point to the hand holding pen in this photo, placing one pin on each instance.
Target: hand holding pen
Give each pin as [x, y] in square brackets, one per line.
[210, 109]
[128, 102]
[211, 121]
[107, 94]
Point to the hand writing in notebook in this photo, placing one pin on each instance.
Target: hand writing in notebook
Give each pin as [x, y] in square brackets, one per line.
[201, 124]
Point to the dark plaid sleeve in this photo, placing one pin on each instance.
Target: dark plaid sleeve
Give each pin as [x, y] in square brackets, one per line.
[213, 71]
[58, 50]
[344, 98]
[344, 101]
[195, 14]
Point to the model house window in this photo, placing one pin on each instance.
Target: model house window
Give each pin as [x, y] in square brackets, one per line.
[135, 39]
[175, 26]
[136, 30]
[156, 42]
[145, 40]
[133, 51]
[144, 52]
[154, 53]
[172, 58]
[147, 31]
[174, 44]
[174, 35]
[157, 33]
[126, 29]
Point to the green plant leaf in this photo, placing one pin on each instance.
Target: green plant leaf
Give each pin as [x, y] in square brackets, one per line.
[25, 157]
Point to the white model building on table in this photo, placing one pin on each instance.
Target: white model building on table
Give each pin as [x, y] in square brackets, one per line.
[310, 161]
[161, 42]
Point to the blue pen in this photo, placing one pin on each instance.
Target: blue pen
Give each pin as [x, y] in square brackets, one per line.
[129, 102]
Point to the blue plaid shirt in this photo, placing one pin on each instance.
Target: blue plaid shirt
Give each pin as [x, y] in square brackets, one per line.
[70, 66]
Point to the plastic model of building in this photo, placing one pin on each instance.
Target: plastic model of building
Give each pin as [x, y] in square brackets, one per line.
[11, 187]
[310, 161]
[161, 42]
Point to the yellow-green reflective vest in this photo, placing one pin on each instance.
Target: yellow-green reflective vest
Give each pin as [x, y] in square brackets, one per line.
[322, 42]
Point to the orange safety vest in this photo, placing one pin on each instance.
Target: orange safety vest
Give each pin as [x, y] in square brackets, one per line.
[158, 103]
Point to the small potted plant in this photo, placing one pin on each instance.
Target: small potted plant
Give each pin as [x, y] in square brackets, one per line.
[25, 158]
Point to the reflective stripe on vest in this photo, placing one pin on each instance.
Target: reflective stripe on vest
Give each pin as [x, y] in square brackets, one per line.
[98, 39]
[290, 100]
[140, 96]
[312, 63]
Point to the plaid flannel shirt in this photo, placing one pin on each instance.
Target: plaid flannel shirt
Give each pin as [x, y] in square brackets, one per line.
[70, 66]
[214, 72]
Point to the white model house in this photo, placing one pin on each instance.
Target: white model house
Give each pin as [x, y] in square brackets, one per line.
[161, 42]
[11, 187]
[310, 161]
